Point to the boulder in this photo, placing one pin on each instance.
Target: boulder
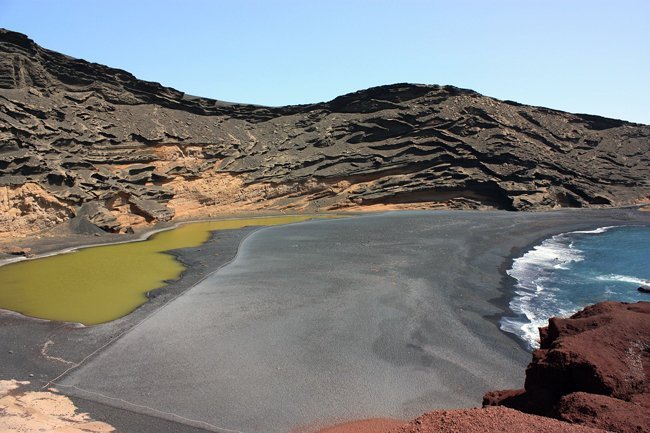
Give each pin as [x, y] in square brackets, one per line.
[18, 251]
[100, 217]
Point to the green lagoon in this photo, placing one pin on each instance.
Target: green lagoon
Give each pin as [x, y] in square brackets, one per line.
[99, 284]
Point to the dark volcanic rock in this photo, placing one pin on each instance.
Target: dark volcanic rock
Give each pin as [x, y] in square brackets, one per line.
[592, 368]
[99, 216]
[67, 123]
[18, 251]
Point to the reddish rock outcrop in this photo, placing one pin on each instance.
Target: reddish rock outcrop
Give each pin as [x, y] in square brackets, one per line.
[371, 425]
[489, 420]
[592, 368]
[605, 412]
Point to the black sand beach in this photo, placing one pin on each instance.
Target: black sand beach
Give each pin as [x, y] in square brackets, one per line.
[382, 315]
[47, 349]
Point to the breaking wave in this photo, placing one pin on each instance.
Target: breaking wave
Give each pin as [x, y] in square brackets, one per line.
[571, 270]
[624, 278]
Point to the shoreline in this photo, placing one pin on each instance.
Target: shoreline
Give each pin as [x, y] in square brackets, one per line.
[114, 296]
[90, 337]
[466, 296]
[62, 238]
[60, 242]
[512, 282]
[223, 242]
[509, 283]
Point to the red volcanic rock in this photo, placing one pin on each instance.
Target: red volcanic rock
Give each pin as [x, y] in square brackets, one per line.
[489, 420]
[372, 425]
[604, 412]
[513, 398]
[603, 346]
[601, 351]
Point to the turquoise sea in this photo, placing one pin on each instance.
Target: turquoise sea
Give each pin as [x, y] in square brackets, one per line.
[571, 270]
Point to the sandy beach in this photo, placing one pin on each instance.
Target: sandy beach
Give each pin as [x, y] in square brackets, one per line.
[311, 324]
[47, 349]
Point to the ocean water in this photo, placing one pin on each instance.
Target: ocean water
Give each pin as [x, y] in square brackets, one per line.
[571, 270]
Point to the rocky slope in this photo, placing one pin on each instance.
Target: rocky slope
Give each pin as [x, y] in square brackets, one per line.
[591, 369]
[87, 142]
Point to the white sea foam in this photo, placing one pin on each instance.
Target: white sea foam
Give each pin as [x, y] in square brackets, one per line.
[624, 279]
[595, 231]
[535, 299]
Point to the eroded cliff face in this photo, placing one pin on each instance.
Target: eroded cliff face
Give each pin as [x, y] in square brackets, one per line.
[81, 140]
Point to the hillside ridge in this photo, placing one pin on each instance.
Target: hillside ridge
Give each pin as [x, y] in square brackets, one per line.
[91, 144]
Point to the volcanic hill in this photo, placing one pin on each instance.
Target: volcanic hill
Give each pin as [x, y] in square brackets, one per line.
[81, 141]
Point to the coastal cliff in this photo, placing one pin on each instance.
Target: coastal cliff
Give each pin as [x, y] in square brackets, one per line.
[592, 369]
[85, 142]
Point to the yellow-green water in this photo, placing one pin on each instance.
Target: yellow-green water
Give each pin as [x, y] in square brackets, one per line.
[100, 284]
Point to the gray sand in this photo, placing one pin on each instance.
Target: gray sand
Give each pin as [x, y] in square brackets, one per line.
[325, 321]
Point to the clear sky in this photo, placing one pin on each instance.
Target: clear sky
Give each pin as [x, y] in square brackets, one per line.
[588, 56]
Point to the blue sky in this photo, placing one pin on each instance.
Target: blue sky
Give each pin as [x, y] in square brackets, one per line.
[580, 56]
